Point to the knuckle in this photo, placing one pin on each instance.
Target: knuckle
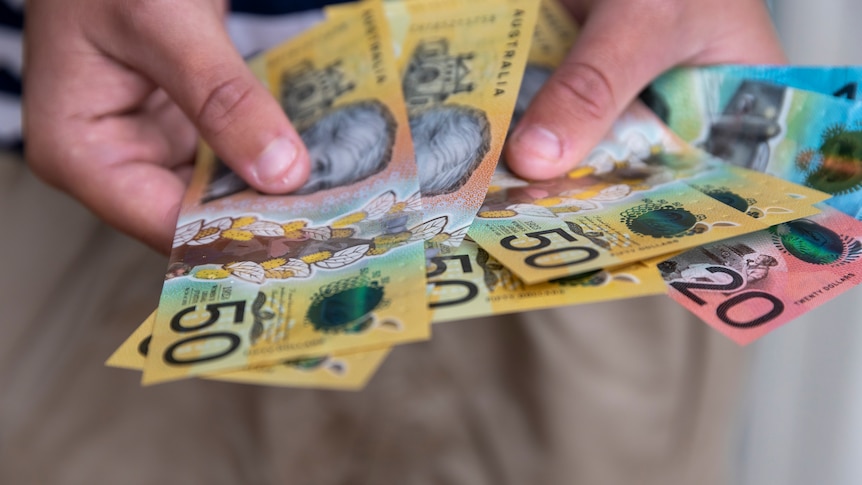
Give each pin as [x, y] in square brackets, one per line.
[584, 88]
[223, 105]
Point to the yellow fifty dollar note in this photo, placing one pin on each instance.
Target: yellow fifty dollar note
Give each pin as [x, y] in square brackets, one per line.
[619, 224]
[344, 372]
[469, 283]
[461, 68]
[337, 266]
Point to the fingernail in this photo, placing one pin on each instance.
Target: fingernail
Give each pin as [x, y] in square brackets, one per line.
[274, 163]
[540, 142]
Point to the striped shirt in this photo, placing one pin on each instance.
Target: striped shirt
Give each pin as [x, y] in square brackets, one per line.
[253, 24]
[11, 24]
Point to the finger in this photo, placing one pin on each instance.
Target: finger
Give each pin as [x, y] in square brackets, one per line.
[603, 73]
[184, 48]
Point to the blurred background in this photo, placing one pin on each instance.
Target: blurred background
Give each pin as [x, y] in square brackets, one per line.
[801, 419]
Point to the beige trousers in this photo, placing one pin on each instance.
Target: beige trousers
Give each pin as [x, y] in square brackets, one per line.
[636, 392]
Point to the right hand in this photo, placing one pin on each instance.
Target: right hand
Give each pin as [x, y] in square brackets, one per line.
[114, 91]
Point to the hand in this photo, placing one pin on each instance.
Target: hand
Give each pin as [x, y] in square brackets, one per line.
[622, 47]
[114, 91]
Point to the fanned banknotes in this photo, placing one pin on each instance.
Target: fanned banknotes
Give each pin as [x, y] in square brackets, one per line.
[760, 117]
[461, 66]
[748, 286]
[310, 289]
[343, 372]
[337, 266]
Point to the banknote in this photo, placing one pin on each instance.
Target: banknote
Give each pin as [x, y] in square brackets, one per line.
[672, 217]
[748, 286]
[344, 372]
[461, 66]
[470, 283]
[805, 137]
[553, 36]
[339, 265]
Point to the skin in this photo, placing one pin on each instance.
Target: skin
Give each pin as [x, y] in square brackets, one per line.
[117, 91]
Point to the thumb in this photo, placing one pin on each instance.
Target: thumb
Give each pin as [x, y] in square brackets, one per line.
[603, 73]
[191, 57]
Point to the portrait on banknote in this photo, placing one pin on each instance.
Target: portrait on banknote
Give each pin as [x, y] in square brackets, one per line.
[450, 140]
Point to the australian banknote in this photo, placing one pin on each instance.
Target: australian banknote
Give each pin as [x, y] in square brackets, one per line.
[552, 38]
[342, 372]
[743, 117]
[461, 66]
[748, 286]
[470, 283]
[338, 265]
